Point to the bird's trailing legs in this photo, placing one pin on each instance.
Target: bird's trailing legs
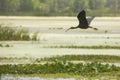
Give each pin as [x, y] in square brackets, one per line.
[67, 30]
[83, 22]
[93, 28]
[77, 27]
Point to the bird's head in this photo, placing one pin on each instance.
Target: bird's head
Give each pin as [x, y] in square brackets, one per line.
[70, 28]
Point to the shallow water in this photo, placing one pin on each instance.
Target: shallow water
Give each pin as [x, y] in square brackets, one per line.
[60, 24]
[36, 48]
[33, 78]
[52, 33]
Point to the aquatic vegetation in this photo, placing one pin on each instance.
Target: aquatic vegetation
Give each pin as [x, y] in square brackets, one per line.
[59, 67]
[34, 37]
[86, 47]
[1, 45]
[12, 33]
[86, 58]
[6, 45]
[99, 58]
[9, 33]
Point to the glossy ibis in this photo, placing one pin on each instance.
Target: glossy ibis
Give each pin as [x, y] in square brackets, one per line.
[83, 22]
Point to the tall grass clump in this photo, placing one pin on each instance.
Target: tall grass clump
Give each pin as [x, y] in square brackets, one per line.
[1, 45]
[34, 37]
[12, 33]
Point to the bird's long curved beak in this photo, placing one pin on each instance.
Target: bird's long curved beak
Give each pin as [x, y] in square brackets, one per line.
[67, 30]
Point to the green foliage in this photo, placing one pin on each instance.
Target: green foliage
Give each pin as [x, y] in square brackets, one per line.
[9, 5]
[59, 7]
[58, 67]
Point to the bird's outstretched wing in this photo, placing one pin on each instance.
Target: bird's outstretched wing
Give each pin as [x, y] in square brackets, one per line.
[89, 20]
[82, 18]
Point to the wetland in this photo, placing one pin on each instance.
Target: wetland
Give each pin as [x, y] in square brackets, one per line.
[44, 44]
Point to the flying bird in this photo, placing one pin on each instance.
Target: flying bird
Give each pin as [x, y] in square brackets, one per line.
[83, 22]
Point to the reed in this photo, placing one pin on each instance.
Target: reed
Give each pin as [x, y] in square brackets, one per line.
[12, 33]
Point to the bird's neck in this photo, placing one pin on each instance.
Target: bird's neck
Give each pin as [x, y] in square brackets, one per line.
[74, 27]
[77, 26]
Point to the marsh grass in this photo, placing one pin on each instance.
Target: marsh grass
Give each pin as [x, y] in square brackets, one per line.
[93, 68]
[86, 58]
[99, 58]
[86, 47]
[5, 45]
[12, 33]
[61, 67]
[1, 45]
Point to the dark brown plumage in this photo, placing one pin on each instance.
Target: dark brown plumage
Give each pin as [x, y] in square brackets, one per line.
[83, 22]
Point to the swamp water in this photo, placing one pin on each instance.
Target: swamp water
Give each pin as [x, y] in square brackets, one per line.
[52, 33]
[37, 48]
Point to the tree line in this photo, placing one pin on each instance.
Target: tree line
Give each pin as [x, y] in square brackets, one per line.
[59, 7]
